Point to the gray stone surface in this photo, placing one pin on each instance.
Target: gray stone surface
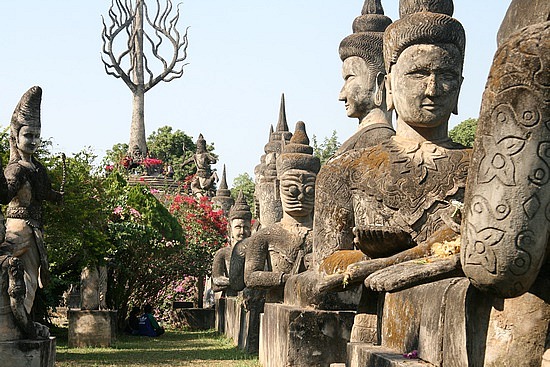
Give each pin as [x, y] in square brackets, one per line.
[520, 14]
[28, 353]
[298, 337]
[195, 318]
[507, 214]
[92, 328]
[364, 354]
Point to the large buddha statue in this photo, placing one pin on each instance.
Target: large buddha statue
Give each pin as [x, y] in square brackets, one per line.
[281, 249]
[239, 222]
[363, 92]
[403, 196]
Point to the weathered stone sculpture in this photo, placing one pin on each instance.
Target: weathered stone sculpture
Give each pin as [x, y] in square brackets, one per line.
[27, 186]
[223, 197]
[239, 221]
[363, 71]
[205, 178]
[277, 251]
[403, 191]
[93, 288]
[267, 184]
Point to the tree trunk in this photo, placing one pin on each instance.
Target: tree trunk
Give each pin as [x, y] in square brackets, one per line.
[137, 130]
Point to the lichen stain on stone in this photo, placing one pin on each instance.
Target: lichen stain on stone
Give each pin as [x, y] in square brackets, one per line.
[338, 261]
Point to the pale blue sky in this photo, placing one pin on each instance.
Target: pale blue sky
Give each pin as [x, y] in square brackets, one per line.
[242, 55]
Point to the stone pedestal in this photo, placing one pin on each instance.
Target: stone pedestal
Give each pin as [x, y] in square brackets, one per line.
[196, 318]
[451, 323]
[28, 353]
[220, 315]
[240, 325]
[91, 328]
[299, 337]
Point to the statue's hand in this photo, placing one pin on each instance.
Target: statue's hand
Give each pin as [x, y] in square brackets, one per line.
[42, 331]
[332, 283]
[381, 241]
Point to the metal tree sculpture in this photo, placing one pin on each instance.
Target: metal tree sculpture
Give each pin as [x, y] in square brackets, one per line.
[127, 18]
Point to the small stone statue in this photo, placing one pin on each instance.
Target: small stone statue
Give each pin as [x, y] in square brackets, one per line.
[93, 288]
[223, 198]
[239, 221]
[27, 186]
[277, 251]
[405, 193]
[205, 177]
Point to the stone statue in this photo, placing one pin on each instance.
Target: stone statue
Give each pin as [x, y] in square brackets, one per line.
[239, 221]
[505, 226]
[405, 194]
[277, 251]
[363, 71]
[364, 96]
[267, 184]
[223, 197]
[205, 177]
[23, 251]
[93, 288]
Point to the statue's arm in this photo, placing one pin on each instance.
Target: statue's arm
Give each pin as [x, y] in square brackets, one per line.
[219, 272]
[334, 217]
[255, 275]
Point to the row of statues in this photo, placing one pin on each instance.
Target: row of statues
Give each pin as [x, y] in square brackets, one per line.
[394, 208]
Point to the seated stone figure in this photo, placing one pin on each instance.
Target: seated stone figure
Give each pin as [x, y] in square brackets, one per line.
[363, 93]
[205, 177]
[239, 222]
[27, 186]
[277, 251]
[405, 193]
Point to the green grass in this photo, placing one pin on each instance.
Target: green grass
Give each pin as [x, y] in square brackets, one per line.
[175, 348]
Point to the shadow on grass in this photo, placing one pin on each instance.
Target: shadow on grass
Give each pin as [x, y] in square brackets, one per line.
[172, 347]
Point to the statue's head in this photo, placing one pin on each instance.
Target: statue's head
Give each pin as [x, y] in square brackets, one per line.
[424, 55]
[363, 62]
[201, 144]
[25, 124]
[297, 170]
[239, 219]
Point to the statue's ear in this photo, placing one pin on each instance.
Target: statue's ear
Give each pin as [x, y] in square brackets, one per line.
[379, 89]
[389, 96]
[455, 108]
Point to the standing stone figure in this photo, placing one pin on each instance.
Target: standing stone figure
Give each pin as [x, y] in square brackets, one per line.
[277, 251]
[27, 186]
[363, 71]
[93, 288]
[239, 221]
[205, 177]
[405, 193]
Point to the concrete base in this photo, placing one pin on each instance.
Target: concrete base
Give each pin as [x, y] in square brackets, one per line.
[363, 354]
[240, 325]
[220, 315]
[452, 324]
[299, 337]
[196, 318]
[28, 353]
[91, 328]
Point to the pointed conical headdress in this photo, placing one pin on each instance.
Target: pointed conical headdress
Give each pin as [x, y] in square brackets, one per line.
[422, 22]
[368, 31]
[26, 113]
[241, 209]
[298, 154]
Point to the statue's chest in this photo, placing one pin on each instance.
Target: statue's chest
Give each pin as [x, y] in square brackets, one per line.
[287, 250]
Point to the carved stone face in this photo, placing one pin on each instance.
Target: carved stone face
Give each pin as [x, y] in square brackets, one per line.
[298, 192]
[240, 229]
[28, 139]
[424, 84]
[359, 86]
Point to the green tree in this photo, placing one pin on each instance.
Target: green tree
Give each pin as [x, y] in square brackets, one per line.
[114, 155]
[168, 146]
[465, 132]
[327, 148]
[244, 183]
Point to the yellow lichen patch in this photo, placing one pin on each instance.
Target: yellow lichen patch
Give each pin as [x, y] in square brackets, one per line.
[339, 261]
[446, 248]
